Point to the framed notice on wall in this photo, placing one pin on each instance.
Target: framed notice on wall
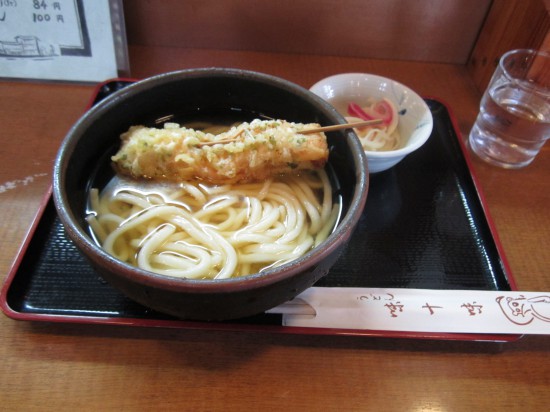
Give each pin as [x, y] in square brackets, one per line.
[65, 40]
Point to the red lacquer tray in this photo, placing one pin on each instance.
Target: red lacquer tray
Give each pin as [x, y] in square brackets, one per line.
[424, 227]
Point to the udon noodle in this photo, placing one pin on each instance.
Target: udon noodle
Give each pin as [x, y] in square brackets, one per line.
[204, 231]
[380, 137]
[376, 138]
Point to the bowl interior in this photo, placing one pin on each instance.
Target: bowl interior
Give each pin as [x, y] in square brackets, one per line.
[415, 119]
[84, 157]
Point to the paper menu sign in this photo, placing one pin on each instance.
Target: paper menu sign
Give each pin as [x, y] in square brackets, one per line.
[69, 40]
[420, 310]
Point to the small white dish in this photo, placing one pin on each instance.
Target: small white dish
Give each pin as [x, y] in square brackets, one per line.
[415, 118]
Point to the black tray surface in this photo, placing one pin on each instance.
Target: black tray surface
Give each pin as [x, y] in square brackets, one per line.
[424, 226]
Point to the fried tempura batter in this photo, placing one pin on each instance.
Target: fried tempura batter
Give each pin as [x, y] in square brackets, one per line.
[249, 152]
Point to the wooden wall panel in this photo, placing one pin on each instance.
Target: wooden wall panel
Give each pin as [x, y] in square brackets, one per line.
[511, 24]
[424, 30]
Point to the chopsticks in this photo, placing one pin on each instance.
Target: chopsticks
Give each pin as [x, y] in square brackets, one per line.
[308, 131]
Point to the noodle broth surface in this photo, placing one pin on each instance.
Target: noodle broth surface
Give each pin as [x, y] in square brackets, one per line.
[204, 232]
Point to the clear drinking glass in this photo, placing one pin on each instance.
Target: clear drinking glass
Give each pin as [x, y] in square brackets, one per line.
[514, 118]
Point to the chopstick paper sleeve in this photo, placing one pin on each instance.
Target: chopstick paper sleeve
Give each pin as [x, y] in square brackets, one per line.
[420, 310]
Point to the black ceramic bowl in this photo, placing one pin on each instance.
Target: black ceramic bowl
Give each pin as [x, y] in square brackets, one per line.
[83, 161]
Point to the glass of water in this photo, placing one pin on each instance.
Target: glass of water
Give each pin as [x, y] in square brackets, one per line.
[514, 118]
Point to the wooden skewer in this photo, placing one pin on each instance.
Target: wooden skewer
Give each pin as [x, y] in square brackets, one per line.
[230, 140]
[308, 131]
[342, 126]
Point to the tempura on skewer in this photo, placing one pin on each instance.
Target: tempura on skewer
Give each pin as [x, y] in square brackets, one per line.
[248, 152]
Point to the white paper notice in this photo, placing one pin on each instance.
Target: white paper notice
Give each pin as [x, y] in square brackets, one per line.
[420, 310]
[57, 40]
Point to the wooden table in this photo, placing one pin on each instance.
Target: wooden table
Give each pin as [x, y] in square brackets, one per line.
[68, 367]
